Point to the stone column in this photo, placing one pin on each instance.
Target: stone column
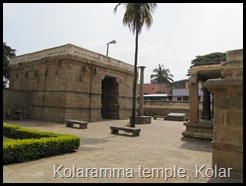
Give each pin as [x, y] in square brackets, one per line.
[206, 111]
[141, 100]
[212, 109]
[227, 144]
[193, 103]
[194, 127]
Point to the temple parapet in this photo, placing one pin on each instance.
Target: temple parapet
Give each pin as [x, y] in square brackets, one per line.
[72, 50]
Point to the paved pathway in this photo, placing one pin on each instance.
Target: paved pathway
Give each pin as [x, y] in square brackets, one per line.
[159, 147]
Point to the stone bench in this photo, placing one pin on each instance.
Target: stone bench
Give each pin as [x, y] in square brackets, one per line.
[176, 117]
[134, 131]
[159, 117]
[72, 123]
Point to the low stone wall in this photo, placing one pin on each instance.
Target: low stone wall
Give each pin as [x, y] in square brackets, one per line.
[20, 100]
[163, 108]
[16, 103]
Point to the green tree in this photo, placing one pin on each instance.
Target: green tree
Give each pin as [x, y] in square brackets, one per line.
[180, 83]
[7, 53]
[208, 59]
[162, 75]
[136, 15]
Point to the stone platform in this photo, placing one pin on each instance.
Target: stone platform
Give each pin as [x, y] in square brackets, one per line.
[176, 117]
[201, 130]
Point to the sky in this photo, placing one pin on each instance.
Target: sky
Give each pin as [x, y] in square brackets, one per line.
[179, 32]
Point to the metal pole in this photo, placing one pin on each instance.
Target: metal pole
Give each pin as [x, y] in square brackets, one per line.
[107, 49]
[111, 42]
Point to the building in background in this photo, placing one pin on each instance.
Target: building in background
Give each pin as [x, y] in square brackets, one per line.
[152, 97]
[163, 91]
[155, 88]
[182, 94]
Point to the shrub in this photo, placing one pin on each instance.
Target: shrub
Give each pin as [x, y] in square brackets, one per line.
[32, 144]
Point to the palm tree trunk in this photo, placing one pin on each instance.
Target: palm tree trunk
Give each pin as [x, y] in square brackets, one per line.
[134, 82]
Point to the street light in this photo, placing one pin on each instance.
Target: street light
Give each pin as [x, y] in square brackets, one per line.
[111, 42]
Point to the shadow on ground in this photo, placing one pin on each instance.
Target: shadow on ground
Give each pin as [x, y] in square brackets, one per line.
[195, 144]
[234, 178]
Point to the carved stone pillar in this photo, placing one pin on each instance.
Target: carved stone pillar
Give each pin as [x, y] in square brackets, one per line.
[193, 102]
[212, 109]
[206, 110]
[141, 119]
[194, 128]
[141, 99]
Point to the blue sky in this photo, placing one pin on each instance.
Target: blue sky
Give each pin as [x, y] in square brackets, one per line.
[179, 33]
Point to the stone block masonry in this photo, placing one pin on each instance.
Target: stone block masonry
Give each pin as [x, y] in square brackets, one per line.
[227, 145]
[69, 82]
[16, 103]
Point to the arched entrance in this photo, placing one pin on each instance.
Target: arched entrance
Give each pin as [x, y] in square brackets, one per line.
[109, 98]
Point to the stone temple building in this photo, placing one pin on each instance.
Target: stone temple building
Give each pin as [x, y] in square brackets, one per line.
[70, 82]
[222, 121]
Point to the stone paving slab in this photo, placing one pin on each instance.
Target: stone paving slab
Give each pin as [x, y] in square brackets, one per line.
[138, 159]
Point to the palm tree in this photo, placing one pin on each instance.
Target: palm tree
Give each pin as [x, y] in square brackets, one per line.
[162, 75]
[136, 15]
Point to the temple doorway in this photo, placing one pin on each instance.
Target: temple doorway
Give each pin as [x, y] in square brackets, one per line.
[110, 98]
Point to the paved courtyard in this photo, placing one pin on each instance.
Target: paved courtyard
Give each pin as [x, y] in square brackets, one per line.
[158, 155]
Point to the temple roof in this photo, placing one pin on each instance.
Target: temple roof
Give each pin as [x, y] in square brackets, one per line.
[206, 72]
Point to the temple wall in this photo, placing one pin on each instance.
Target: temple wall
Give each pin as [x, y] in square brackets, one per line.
[68, 86]
[227, 144]
[16, 103]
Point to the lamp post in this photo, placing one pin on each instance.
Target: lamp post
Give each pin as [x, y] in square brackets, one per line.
[111, 42]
